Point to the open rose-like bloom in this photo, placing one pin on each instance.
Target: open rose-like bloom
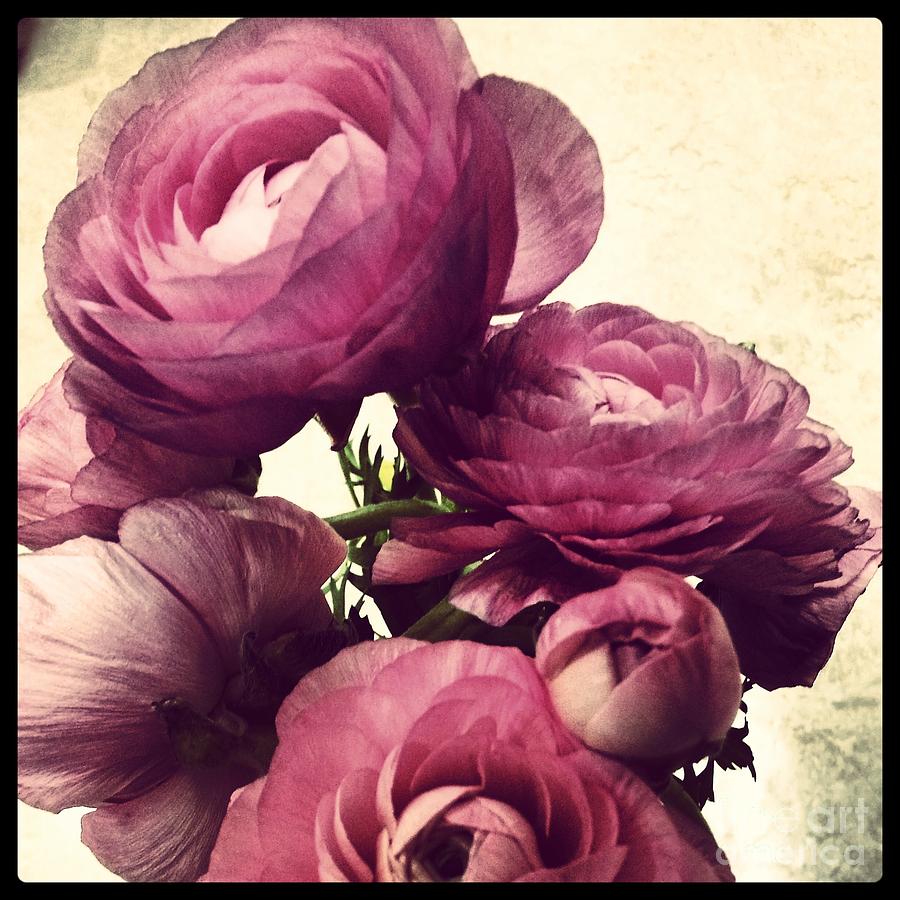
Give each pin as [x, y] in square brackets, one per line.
[298, 213]
[401, 761]
[643, 670]
[589, 442]
[125, 652]
[78, 474]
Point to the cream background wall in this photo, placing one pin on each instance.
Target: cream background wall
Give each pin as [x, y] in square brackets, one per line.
[743, 168]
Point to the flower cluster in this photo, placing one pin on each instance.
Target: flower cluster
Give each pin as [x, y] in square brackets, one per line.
[269, 226]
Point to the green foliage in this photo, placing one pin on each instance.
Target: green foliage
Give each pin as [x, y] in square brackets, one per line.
[735, 753]
[369, 484]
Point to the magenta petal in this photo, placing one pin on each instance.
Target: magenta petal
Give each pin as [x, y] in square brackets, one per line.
[424, 548]
[592, 517]
[467, 254]
[316, 751]
[657, 848]
[254, 564]
[337, 419]
[354, 667]
[132, 470]
[164, 835]
[90, 521]
[100, 640]
[559, 188]
[245, 428]
[237, 855]
[518, 577]
[597, 868]
[355, 823]
[783, 641]
[77, 474]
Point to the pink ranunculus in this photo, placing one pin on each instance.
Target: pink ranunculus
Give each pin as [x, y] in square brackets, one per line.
[78, 474]
[111, 632]
[298, 213]
[586, 443]
[643, 670]
[403, 761]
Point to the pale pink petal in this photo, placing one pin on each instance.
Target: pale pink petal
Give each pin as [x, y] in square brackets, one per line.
[354, 667]
[100, 641]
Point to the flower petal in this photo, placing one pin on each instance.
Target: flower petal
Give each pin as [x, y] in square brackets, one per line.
[238, 855]
[161, 76]
[242, 564]
[559, 188]
[164, 835]
[100, 640]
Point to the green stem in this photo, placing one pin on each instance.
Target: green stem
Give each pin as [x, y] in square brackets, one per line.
[377, 516]
[347, 479]
[442, 622]
[677, 797]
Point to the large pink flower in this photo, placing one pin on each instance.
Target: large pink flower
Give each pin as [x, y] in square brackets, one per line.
[589, 442]
[77, 474]
[403, 761]
[643, 670]
[298, 213]
[108, 630]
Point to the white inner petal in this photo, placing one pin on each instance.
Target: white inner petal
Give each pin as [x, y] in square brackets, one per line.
[249, 216]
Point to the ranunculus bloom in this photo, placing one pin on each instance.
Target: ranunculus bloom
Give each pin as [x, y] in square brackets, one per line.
[78, 474]
[403, 761]
[594, 441]
[298, 213]
[643, 670]
[106, 630]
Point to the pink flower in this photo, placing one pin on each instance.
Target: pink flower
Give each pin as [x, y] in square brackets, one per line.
[108, 630]
[643, 670]
[403, 761]
[585, 443]
[297, 213]
[78, 474]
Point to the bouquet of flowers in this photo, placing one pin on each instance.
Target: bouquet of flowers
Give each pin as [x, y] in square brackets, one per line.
[524, 650]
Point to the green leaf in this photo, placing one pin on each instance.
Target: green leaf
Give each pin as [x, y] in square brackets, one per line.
[676, 796]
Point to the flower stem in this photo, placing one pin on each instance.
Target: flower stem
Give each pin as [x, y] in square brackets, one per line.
[443, 622]
[345, 468]
[377, 516]
[677, 797]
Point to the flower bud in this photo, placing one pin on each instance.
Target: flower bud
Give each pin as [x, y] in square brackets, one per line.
[644, 670]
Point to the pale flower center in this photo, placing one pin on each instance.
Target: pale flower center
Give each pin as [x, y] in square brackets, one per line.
[248, 219]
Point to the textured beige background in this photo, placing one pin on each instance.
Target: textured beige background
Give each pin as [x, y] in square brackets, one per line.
[743, 185]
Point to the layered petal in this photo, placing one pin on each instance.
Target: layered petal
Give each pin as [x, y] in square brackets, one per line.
[301, 212]
[612, 440]
[403, 761]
